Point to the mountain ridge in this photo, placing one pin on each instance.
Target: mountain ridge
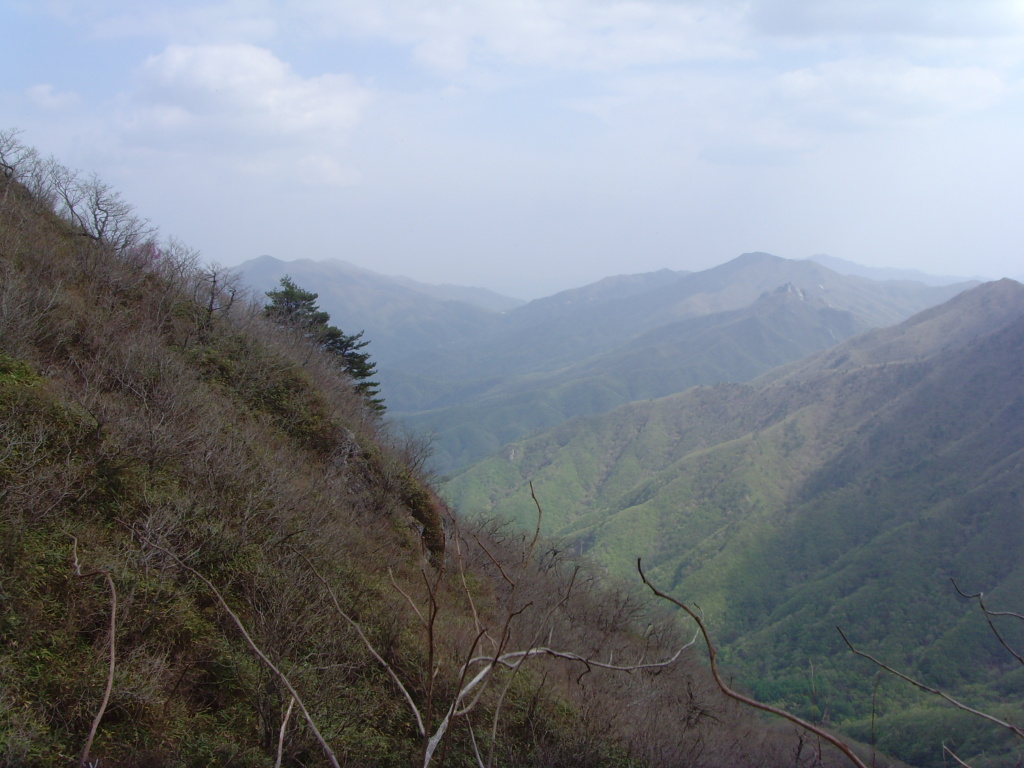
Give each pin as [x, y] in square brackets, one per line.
[613, 338]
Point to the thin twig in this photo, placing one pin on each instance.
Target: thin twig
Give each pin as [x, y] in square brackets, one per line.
[946, 750]
[408, 599]
[494, 560]
[980, 597]
[280, 736]
[536, 531]
[369, 646]
[110, 672]
[77, 568]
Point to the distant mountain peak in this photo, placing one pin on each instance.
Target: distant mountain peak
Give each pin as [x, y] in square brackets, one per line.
[756, 257]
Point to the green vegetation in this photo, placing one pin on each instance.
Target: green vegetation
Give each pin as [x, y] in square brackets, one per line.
[635, 337]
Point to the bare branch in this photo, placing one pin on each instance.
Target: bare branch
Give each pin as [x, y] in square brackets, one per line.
[496, 563]
[456, 539]
[980, 597]
[947, 751]
[536, 532]
[1014, 729]
[421, 729]
[739, 696]
[408, 599]
[84, 759]
[110, 672]
[284, 727]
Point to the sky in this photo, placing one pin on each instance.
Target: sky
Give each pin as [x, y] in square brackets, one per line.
[530, 146]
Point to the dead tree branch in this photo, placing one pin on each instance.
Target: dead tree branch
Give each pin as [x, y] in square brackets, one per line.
[1014, 729]
[84, 759]
[980, 597]
[284, 727]
[712, 654]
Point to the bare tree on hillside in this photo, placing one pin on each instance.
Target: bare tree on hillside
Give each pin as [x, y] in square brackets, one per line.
[504, 638]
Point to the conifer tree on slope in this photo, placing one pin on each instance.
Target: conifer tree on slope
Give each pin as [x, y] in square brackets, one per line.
[292, 305]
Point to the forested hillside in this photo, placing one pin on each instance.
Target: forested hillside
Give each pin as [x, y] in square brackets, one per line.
[782, 325]
[847, 489]
[212, 551]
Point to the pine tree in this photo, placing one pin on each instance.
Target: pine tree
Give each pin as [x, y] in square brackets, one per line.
[291, 305]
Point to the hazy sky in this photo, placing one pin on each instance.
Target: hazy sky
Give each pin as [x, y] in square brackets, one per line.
[533, 145]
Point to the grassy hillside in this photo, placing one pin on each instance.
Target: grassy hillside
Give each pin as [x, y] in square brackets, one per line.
[213, 553]
[846, 490]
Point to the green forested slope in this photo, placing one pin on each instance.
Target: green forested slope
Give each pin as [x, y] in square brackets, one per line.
[783, 325]
[847, 490]
[633, 337]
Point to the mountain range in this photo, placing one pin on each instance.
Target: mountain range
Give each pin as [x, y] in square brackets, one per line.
[206, 527]
[586, 351]
[476, 378]
[844, 489]
[399, 315]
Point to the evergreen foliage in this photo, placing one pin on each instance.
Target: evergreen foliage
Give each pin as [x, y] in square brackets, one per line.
[295, 306]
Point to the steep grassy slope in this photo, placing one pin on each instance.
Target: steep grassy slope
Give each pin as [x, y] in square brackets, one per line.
[176, 473]
[845, 490]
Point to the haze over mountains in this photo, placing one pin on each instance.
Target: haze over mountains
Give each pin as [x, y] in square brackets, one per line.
[845, 267]
[400, 315]
[476, 379]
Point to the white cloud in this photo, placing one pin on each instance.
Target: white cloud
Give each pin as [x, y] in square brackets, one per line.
[242, 100]
[929, 18]
[575, 35]
[241, 108]
[49, 98]
[871, 92]
[194, 21]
